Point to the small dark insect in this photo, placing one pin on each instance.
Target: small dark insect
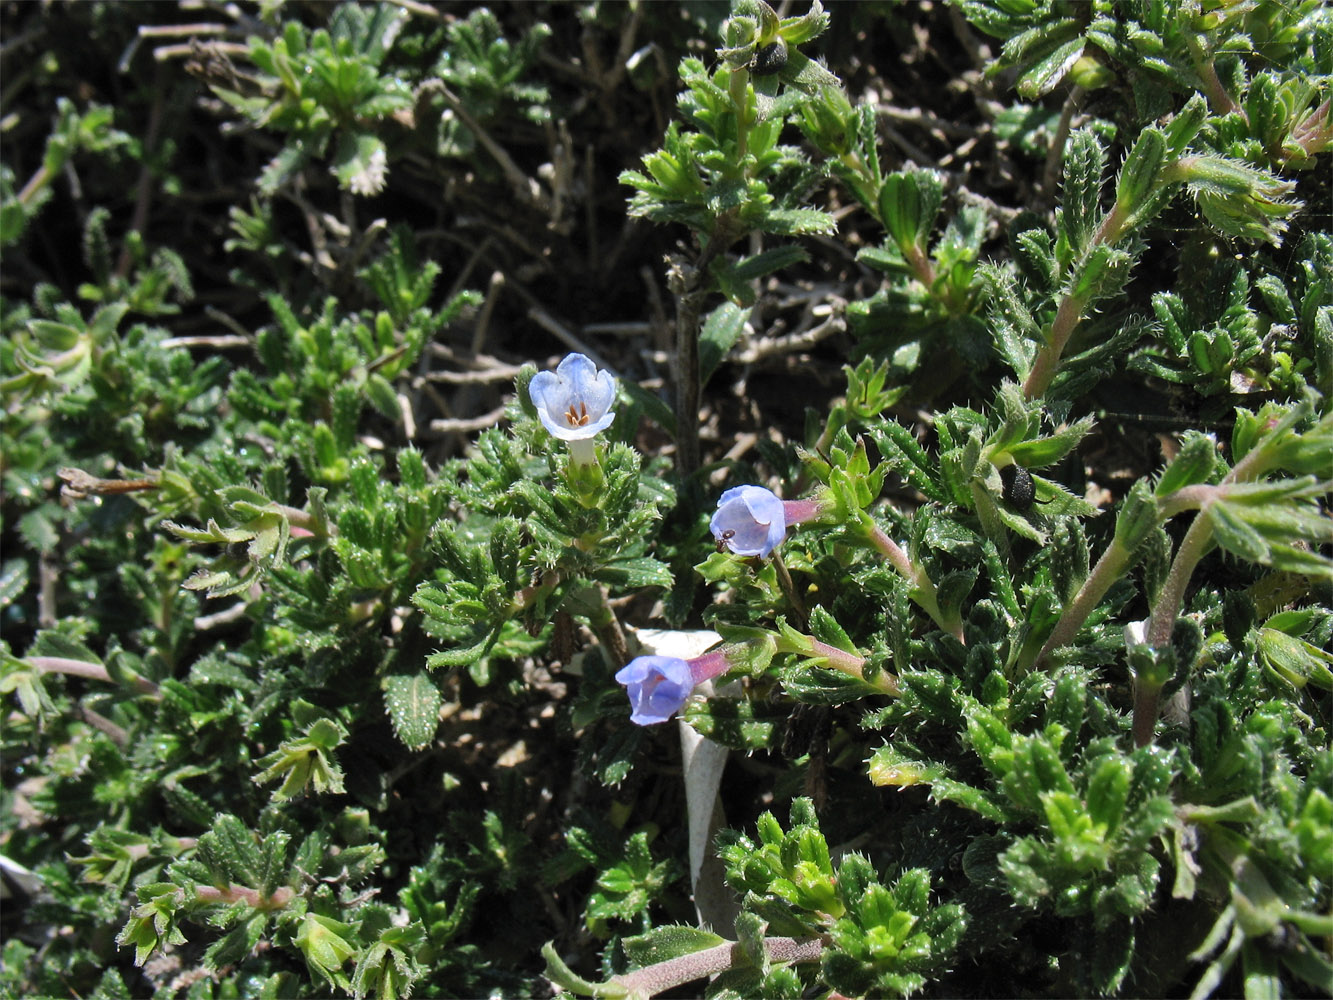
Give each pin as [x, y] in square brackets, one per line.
[770, 59]
[723, 538]
[1019, 490]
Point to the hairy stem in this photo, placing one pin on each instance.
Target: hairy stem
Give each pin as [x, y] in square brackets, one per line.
[306, 521]
[1110, 567]
[244, 894]
[1169, 601]
[35, 184]
[789, 589]
[1047, 363]
[1147, 701]
[1167, 607]
[853, 665]
[662, 976]
[919, 261]
[923, 588]
[1219, 99]
[1196, 541]
[1070, 311]
[607, 626]
[82, 668]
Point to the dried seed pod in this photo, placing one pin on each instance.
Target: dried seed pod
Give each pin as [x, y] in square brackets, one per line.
[770, 59]
[1019, 491]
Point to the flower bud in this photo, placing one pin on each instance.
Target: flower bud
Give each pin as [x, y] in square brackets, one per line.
[1137, 517]
[1141, 168]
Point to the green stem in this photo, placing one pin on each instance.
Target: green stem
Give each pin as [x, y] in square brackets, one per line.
[919, 261]
[1047, 362]
[1166, 609]
[853, 666]
[299, 518]
[923, 588]
[244, 894]
[607, 626]
[1110, 567]
[1219, 99]
[1196, 541]
[82, 668]
[1070, 311]
[35, 184]
[662, 976]
[1167, 606]
[789, 589]
[528, 596]
[1147, 701]
[1116, 559]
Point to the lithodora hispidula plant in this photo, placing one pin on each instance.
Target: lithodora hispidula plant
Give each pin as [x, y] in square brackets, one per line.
[302, 699]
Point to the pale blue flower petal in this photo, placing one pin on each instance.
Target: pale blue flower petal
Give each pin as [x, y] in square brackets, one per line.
[549, 394]
[574, 401]
[657, 686]
[749, 521]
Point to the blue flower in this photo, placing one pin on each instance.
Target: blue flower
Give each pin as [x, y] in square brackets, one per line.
[750, 520]
[574, 401]
[657, 687]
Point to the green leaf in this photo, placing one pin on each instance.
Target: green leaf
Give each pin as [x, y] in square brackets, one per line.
[664, 943]
[653, 405]
[641, 571]
[414, 707]
[1139, 172]
[826, 629]
[387, 969]
[797, 222]
[1085, 159]
[889, 765]
[1108, 791]
[305, 762]
[905, 456]
[1235, 535]
[985, 804]
[1038, 453]
[1296, 662]
[1048, 71]
[736, 723]
[1193, 464]
[326, 946]
[720, 331]
[467, 655]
